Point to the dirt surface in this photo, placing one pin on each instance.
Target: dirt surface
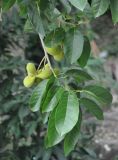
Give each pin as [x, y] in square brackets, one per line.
[106, 137]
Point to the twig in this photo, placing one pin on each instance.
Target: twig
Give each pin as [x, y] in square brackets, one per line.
[43, 45]
[46, 55]
[43, 59]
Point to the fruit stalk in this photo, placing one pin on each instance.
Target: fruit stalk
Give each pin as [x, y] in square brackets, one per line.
[46, 55]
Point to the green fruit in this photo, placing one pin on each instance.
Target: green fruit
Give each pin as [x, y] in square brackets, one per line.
[54, 50]
[31, 69]
[28, 81]
[45, 72]
[59, 57]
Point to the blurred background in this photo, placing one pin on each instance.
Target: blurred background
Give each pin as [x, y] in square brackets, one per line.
[21, 131]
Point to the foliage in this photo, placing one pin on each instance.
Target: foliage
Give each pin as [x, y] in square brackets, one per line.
[64, 24]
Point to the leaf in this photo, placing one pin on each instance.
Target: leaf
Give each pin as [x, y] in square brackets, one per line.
[67, 113]
[55, 37]
[100, 7]
[114, 10]
[35, 18]
[53, 137]
[92, 107]
[79, 4]
[100, 93]
[7, 4]
[79, 75]
[22, 9]
[53, 101]
[73, 45]
[51, 92]
[66, 6]
[72, 137]
[85, 54]
[38, 95]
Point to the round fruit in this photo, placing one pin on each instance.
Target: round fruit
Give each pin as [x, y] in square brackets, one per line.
[59, 57]
[28, 81]
[54, 50]
[45, 72]
[31, 69]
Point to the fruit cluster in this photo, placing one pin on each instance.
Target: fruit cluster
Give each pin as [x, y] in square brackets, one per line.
[38, 75]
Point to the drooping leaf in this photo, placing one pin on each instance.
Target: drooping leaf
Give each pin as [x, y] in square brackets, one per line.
[53, 101]
[85, 54]
[53, 137]
[92, 107]
[72, 137]
[79, 75]
[79, 4]
[67, 112]
[36, 20]
[73, 45]
[114, 10]
[38, 95]
[100, 93]
[100, 7]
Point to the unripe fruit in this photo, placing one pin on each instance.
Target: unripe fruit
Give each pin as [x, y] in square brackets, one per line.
[59, 57]
[45, 72]
[54, 50]
[31, 69]
[28, 81]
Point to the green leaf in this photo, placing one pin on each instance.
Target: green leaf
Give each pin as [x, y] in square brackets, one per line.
[66, 5]
[92, 107]
[52, 99]
[85, 54]
[7, 4]
[79, 4]
[22, 9]
[38, 95]
[114, 10]
[72, 137]
[67, 113]
[100, 7]
[73, 45]
[35, 18]
[79, 75]
[100, 93]
[53, 137]
[51, 92]
[55, 37]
